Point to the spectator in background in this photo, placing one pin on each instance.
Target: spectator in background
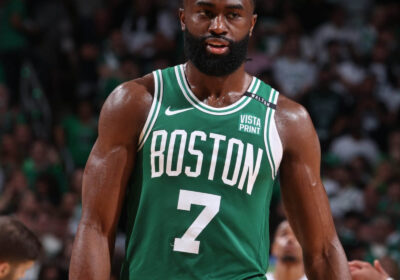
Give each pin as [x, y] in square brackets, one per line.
[14, 190]
[289, 256]
[109, 62]
[356, 11]
[348, 197]
[369, 32]
[149, 31]
[334, 29]
[19, 249]
[88, 79]
[390, 203]
[380, 64]
[324, 105]
[10, 158]
[23, 137]
[293, 74]
[61, 149]
[28, 210]
[382, 228]
[127, 69]
[44, 160]
[390, 166]
[80, 131]
[289, 260]
[13, 42]
[393, 153]
[354, 143]
[390, 95]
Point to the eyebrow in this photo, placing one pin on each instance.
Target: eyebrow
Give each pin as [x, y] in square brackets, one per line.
[203, 3]
[235, 7]
[208, 4]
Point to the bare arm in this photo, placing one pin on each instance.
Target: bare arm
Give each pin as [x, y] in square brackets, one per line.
[304, 197]
[104, 183]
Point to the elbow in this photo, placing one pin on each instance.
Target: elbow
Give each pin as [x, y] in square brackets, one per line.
[322, 251]
[327, 260]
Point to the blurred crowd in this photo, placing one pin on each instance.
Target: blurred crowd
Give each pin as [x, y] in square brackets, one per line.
[59, 60]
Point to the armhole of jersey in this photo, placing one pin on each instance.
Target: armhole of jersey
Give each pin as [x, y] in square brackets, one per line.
[273, 143]
[154, 110]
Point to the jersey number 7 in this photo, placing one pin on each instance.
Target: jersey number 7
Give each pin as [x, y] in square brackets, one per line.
[188, 243]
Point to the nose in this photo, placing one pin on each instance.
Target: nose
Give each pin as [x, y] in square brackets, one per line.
[218, 26]
[291, 240]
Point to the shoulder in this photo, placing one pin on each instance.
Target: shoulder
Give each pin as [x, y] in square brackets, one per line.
[293, 123]
[127, 107]
[290, 110]
[131, 92]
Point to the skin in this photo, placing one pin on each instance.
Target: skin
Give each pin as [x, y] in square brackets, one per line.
[304, 196]
[365, 271]
[123, 116]
[14, 271]
[286, 245]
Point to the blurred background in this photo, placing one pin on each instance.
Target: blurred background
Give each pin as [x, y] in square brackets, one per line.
[59, 60]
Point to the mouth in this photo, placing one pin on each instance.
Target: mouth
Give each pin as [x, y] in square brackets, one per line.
[217, 46]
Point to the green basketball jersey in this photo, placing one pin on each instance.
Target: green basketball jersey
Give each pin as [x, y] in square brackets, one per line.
[198, 207]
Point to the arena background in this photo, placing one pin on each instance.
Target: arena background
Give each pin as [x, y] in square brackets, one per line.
[59, 59]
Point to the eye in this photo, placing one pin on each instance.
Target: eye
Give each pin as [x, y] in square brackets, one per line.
[233, 15]
[206, 13]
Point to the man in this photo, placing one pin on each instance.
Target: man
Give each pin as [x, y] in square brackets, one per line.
[19, 248]
[203, 142]
[289, 258]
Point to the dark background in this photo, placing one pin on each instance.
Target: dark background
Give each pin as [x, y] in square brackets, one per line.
[59, 60]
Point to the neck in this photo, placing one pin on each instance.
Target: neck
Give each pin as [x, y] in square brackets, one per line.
[217, 91]
[289, 271]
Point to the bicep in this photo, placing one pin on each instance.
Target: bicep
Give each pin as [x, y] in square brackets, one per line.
[104, 185]
[111, 161]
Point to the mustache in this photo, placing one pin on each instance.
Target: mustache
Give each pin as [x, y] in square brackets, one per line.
[216, 36]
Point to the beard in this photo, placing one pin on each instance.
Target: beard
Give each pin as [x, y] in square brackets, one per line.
[211, 64]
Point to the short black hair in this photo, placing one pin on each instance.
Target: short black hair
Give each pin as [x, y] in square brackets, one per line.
[17, 242]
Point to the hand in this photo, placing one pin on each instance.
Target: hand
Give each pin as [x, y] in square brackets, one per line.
[360, 270]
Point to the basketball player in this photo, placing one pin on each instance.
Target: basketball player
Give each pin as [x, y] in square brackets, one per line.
[203, 142]
[19, 249]
[289, 258]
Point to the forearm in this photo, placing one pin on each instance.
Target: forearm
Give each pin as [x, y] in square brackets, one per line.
[90, 256]
[329, 264]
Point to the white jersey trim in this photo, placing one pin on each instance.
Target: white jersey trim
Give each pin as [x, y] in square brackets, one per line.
[154, 110]
[275, 140]
[272, 141]
[266, 133]
[192, 99]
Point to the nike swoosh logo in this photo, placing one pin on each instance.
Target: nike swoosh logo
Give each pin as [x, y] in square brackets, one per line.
[169, 112]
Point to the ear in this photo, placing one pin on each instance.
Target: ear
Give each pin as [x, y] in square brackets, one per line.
[4, 269]
[253, 23]
[182, 18]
